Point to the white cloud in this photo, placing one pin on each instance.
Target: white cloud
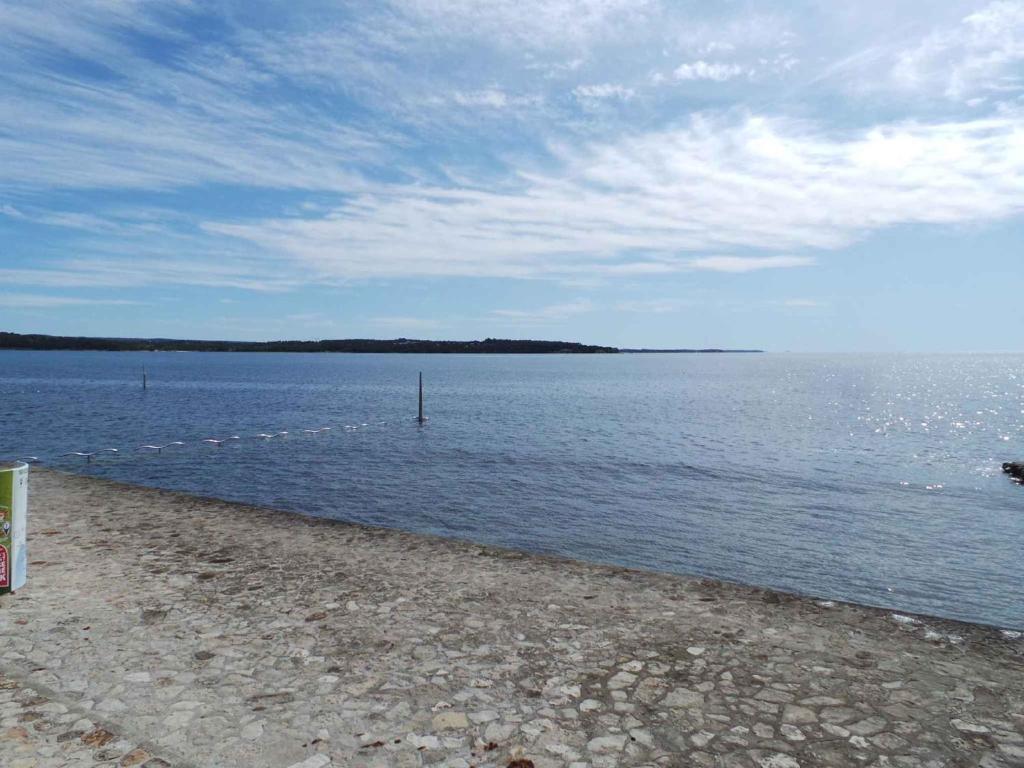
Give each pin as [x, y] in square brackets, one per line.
[720, 72]
[548, 313]
[642, 203]
[493, 97]
[61, 135]
[638, 268]
[652, 306]
[553, 188]
[716, 46]
[780, 64]
[735, 33]
[530, 25]
[703, 70]
[136, 272]
[150, 126]
[994, 51]
[982, 55]
[749, 263]
[601, 91]
[42, 301]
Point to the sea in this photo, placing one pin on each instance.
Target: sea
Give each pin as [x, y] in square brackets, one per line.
[874, 479]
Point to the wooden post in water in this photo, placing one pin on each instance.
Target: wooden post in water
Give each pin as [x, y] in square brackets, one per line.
[420, 417]
[145, 382]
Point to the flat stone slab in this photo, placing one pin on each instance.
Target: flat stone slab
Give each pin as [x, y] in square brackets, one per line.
[161, 629]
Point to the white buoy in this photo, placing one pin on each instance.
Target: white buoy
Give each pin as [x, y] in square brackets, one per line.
[158, 448]
[218, 443]
[88, 455]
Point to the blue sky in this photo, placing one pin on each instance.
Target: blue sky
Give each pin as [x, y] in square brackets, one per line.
[809, 175]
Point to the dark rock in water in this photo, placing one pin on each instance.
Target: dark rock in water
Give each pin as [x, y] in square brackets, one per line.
[1014, 469]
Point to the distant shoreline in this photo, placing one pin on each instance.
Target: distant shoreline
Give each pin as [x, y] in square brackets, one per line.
[44, 342]
[691, 351]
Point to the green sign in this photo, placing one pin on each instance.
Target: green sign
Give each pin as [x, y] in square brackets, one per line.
[13, 511]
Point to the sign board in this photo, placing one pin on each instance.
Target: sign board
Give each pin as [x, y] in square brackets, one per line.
[13, 525]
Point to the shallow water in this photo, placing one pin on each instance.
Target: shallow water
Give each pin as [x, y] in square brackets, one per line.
[867, 478]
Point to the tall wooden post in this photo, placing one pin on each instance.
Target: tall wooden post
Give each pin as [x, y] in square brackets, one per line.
[420, 417]
[145, 382]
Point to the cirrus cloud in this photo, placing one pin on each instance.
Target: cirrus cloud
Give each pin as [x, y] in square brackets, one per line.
[703, 70]
[648, 202]
[750, 263]
[346, 145]
[46, 301]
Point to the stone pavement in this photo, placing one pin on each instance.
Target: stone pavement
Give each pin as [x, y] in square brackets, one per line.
[39, 730]
[162, 629]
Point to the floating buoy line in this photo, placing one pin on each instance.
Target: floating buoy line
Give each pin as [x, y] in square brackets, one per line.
[219, 442]
[88, 455]
[215, 442]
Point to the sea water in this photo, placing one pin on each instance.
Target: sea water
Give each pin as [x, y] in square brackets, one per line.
[874, 479]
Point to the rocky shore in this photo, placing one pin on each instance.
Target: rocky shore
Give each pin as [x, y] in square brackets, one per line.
[159, 629]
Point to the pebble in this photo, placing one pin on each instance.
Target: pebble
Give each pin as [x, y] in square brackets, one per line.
[971, 728]
[316, 761]
[450, 721]
[621, 680]
[798, 715]
[603, 744]
[791, 732]
[683, 697]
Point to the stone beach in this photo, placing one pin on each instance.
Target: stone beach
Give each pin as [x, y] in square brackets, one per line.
[160, 629]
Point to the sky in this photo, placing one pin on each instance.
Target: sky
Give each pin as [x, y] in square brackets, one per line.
[804, 175]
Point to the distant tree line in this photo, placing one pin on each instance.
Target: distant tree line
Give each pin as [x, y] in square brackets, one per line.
[493, 346]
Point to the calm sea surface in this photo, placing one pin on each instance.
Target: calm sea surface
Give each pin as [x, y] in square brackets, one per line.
[874, 479]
